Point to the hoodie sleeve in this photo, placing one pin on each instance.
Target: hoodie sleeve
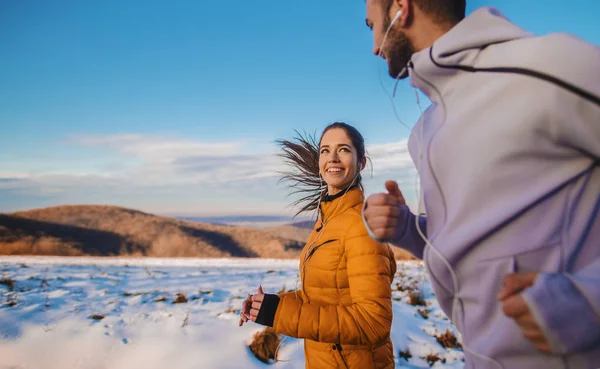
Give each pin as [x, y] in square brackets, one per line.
[407, 236]
[567, 308]
[367, 320]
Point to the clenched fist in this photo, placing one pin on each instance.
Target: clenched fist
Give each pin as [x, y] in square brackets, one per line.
[515, 307]
[383, 214]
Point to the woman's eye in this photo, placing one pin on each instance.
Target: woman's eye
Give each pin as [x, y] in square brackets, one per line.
[324, 151]
[345, 149]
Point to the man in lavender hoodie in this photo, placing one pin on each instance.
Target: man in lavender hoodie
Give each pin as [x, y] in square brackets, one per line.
[508, 157]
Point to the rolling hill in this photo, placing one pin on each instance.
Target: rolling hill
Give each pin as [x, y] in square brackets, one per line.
[100, 230]
[110, 231]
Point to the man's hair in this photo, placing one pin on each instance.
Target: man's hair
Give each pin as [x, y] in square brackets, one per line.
[443, 11]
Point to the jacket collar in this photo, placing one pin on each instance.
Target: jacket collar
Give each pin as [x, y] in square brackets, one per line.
[341, 203]
[484, 27]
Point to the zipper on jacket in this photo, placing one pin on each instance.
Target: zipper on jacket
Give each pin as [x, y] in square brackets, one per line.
[316, 247]
[338, 347]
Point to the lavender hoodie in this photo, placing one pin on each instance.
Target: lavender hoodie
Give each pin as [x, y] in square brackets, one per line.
[511, 183]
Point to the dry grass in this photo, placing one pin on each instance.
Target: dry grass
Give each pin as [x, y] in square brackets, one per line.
[8, 282]
[433, 358]
[108, 230]
[424, 313]
[405, 354]
[44, 284]
[264, 345]
[448, 340]
[39, 246]
[416, 298]
[404, 287]
[180, 299]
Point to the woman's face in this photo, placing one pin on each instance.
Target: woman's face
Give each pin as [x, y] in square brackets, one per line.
[338, 160]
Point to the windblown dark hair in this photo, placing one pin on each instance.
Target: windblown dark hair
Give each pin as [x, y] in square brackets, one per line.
[302, 155]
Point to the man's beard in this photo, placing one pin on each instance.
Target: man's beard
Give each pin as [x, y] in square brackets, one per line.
[397, 51]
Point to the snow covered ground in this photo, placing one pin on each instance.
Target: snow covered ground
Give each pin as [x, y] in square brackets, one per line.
[117, 313]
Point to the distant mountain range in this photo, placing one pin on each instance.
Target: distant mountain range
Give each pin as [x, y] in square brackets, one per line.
[253, 221]
[99, 230]
[238, 219]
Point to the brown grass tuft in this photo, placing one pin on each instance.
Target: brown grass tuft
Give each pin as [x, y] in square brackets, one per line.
[8, 282]
[433, 358]
[180, 299]
[96, 317]
[400, 287]
[405, 354]
[416, 298]
[264, 344]
[424, 313]
[448, 340]
[11, 299]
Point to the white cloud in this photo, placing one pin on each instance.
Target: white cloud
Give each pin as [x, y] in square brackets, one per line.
[153, 149]
[153, 160]
[242, 172]
[390, 156]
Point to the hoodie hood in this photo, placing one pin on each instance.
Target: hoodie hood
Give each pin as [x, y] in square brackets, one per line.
[485, 26]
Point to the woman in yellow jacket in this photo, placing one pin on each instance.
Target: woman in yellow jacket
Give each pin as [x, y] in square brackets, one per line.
[344, 308]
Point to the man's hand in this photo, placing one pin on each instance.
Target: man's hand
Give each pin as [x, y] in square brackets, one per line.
[514, 307]
[382, 213]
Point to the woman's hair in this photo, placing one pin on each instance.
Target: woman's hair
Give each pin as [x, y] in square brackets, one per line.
[302, 155]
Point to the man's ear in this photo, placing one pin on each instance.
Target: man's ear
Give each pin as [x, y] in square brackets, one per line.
[400, 6]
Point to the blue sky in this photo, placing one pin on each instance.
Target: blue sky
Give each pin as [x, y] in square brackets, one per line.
[172, 107]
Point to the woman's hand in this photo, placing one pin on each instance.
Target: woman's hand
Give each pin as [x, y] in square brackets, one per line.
[251, 306]
[244, 313]
[257, 300]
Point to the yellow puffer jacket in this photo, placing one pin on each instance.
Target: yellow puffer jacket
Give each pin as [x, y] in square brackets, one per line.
[344, 309]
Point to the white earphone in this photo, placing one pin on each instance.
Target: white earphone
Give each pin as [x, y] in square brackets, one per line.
[396, 17]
